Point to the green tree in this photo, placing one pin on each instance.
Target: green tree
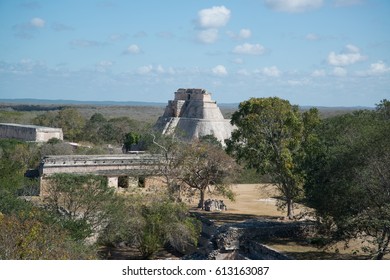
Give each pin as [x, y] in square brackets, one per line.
[348, 182]
[169, 148]
[69, 119]
[150, 222]
[271, 137]
[131, 139]
[85, 199]
[72, 123]
[167, 222]
[49, 119]
[203, 165]
[94, 128]
[24, 236]
[210, 139]
[28, 232]
[16, 157]
[383, 108]
[121, 126]
[56, 148]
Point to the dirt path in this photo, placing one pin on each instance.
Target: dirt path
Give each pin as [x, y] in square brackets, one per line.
[252, 201]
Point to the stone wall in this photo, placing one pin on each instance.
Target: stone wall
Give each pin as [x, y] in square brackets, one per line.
[121, 164]
[192, 94]
[243, 240]
[137, 169]
[29, 132]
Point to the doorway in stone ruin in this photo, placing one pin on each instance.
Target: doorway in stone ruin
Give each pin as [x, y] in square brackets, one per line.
[123, 182]
[141, 182]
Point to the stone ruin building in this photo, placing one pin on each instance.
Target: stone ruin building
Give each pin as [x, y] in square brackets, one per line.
[121, 170]
[27, 132]
[193, 114]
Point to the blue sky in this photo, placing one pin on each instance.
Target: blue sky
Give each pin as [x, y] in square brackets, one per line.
[311, 52]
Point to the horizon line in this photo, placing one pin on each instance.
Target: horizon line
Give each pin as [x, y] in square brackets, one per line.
[139, 103]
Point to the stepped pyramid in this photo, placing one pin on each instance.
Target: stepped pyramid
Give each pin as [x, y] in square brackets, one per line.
[193, 114]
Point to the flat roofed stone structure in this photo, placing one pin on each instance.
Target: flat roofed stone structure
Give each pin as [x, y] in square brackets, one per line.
[29, 132]
[193, 114]
[119, 164]
[133, 168]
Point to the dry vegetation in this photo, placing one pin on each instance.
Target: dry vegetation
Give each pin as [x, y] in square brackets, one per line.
[25, 113]
[259, 201]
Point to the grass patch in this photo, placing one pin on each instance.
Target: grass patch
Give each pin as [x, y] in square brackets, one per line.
[306, 249]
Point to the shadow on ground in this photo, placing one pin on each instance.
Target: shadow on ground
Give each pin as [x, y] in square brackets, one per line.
[226, 217]
[301, 249]
[131, 253]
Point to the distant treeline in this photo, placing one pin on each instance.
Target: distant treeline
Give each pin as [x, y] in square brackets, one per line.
[30, 107]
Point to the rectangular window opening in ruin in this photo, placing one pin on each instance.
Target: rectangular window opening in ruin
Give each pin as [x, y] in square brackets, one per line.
[123, 182]
[141, 182]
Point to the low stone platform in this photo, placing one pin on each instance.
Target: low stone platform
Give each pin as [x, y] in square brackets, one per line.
[242, 240]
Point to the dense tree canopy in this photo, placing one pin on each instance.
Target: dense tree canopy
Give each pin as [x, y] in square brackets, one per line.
[97, 129]
[271, 136]
[85, 199]
[149, 222]
[348, 182]
[28, 231]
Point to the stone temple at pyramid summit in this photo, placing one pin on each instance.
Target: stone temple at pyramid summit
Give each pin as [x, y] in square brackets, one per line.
[192, 114]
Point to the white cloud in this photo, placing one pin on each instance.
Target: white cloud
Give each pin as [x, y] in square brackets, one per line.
[350, 56]
[339, 72]
[144, 70]
[118, 37]
[155, 70]
[215, 17]
[312, 37]
[104, 65]
[59, 27]
[160, 69]
[219, 70]
[245, 33]
[242, 34]
[352, 48]
[165, 34]
[243, 72]
[293, 6]
[378, 68]
[302, 82]
[251, 49]
[132, 49]
[208, 36]
[238, 61]
[272, 71]
[37, 22]
[82, 43]
[318, 73]
[171, 71]
[140, 34]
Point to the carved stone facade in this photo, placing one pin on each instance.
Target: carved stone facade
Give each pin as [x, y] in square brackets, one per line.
[121, 171]
[193, 114]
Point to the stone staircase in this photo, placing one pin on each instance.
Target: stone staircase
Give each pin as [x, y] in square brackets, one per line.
[170, 126]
